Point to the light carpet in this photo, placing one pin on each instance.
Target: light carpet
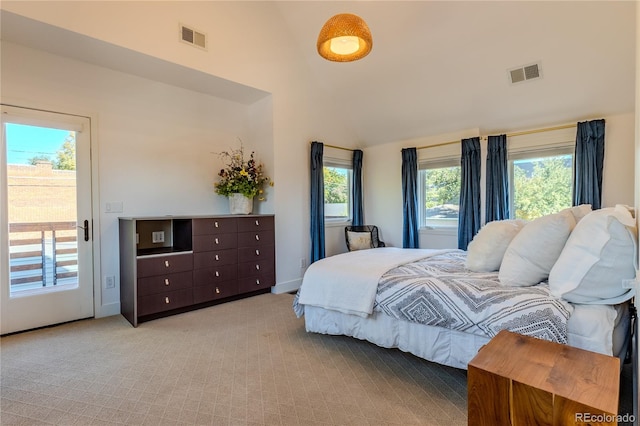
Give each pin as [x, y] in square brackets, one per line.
[248, 362]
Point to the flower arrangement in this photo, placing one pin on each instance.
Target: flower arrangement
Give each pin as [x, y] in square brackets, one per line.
[240, 176]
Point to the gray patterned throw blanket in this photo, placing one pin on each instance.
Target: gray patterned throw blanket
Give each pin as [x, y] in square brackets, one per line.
[440, 291]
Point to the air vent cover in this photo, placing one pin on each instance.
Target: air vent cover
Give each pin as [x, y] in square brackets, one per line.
[525, 73]
[193, 37]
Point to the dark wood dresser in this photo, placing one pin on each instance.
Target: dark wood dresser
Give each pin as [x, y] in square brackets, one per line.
[170, 265]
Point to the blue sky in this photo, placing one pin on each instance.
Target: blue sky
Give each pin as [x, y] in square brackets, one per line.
[25, 142]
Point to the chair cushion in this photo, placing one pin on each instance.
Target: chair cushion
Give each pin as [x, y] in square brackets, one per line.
[359, 240]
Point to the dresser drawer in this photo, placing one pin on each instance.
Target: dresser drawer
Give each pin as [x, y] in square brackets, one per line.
[213, 259]
[164, 283]
[164, 301]
[150, 266]
[246, 285]
[220, 290]
[256, 239]
[250, 254]
[206, 276]
[262, 223]
[214, 242]
[258, 267]
[225, 225]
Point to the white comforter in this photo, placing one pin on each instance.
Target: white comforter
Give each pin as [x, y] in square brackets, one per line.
[348, 282]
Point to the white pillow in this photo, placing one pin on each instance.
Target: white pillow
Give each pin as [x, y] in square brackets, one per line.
[485, 251]
[359, 240]
[535, 249]
[599, 254]
[578, 212]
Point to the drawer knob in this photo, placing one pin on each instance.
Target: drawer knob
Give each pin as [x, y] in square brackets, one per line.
[166, 281]
[257, 282]
[217, 242]
[166, 300]
[216, 224]
[217, 290]
[257, 252]
[217, 257]
[257, 222]
[257, 267]
[217, 274]
[166, 263]
[257, 237]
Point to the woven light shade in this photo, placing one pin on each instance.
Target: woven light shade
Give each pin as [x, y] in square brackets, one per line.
[344, 38]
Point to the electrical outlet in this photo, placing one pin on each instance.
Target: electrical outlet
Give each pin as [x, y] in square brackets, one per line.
[109, 281]
[157, 237]
[303, 262]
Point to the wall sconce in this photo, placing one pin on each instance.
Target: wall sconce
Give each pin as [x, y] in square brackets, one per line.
[344, 38]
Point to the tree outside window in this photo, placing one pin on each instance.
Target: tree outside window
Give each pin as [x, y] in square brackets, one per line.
[542, 186]
[337, 188]
[441, 195]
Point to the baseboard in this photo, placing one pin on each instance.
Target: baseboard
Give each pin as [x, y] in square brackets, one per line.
[108, 310]
[286, 287]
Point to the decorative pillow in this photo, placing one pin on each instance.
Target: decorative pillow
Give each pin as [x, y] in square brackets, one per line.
[535, 249]
[599, 254]
[578, 212]
[359, 240]
[485, 251]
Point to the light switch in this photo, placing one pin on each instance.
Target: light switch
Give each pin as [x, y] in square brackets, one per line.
[113, 207]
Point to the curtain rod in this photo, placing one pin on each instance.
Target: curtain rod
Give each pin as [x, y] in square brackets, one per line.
[334, 146]
[524, 132]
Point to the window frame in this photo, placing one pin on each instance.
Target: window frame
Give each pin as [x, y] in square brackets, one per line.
[347, 165]
[423, 166]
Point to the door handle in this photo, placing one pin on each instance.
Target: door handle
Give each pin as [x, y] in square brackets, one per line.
[86, 230]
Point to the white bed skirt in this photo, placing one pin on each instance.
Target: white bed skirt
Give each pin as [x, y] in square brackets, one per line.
[591, 327]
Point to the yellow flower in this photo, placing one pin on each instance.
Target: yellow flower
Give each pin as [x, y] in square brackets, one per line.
[243, 172]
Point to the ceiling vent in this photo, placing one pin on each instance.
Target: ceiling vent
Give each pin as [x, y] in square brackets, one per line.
[193, 37]
[526, 73]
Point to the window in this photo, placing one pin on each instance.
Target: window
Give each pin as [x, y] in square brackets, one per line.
[338, 180]
[541, 182]
[439, 192]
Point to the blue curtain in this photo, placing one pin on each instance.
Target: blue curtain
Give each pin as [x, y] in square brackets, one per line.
[588, 161]
[358, 209]
[317, 202]
[469, 221]
[497, 196]
[410, 236]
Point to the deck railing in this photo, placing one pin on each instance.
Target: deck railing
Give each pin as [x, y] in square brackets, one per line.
[42, 253]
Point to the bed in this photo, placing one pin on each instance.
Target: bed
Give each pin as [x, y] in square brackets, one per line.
[566, 278]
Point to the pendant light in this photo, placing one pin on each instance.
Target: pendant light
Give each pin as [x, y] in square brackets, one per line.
[344, 38]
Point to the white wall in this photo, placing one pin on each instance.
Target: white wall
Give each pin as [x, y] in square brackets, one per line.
[156, 143]
[299, 111]
[636, 402]
[280, 125]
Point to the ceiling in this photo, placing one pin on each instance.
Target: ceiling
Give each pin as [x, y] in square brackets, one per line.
[442, 66]
[436, 67]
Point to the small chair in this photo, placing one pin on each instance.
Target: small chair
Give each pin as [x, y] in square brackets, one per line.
[362, 237]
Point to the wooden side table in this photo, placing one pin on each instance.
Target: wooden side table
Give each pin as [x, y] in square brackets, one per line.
[520, 380]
